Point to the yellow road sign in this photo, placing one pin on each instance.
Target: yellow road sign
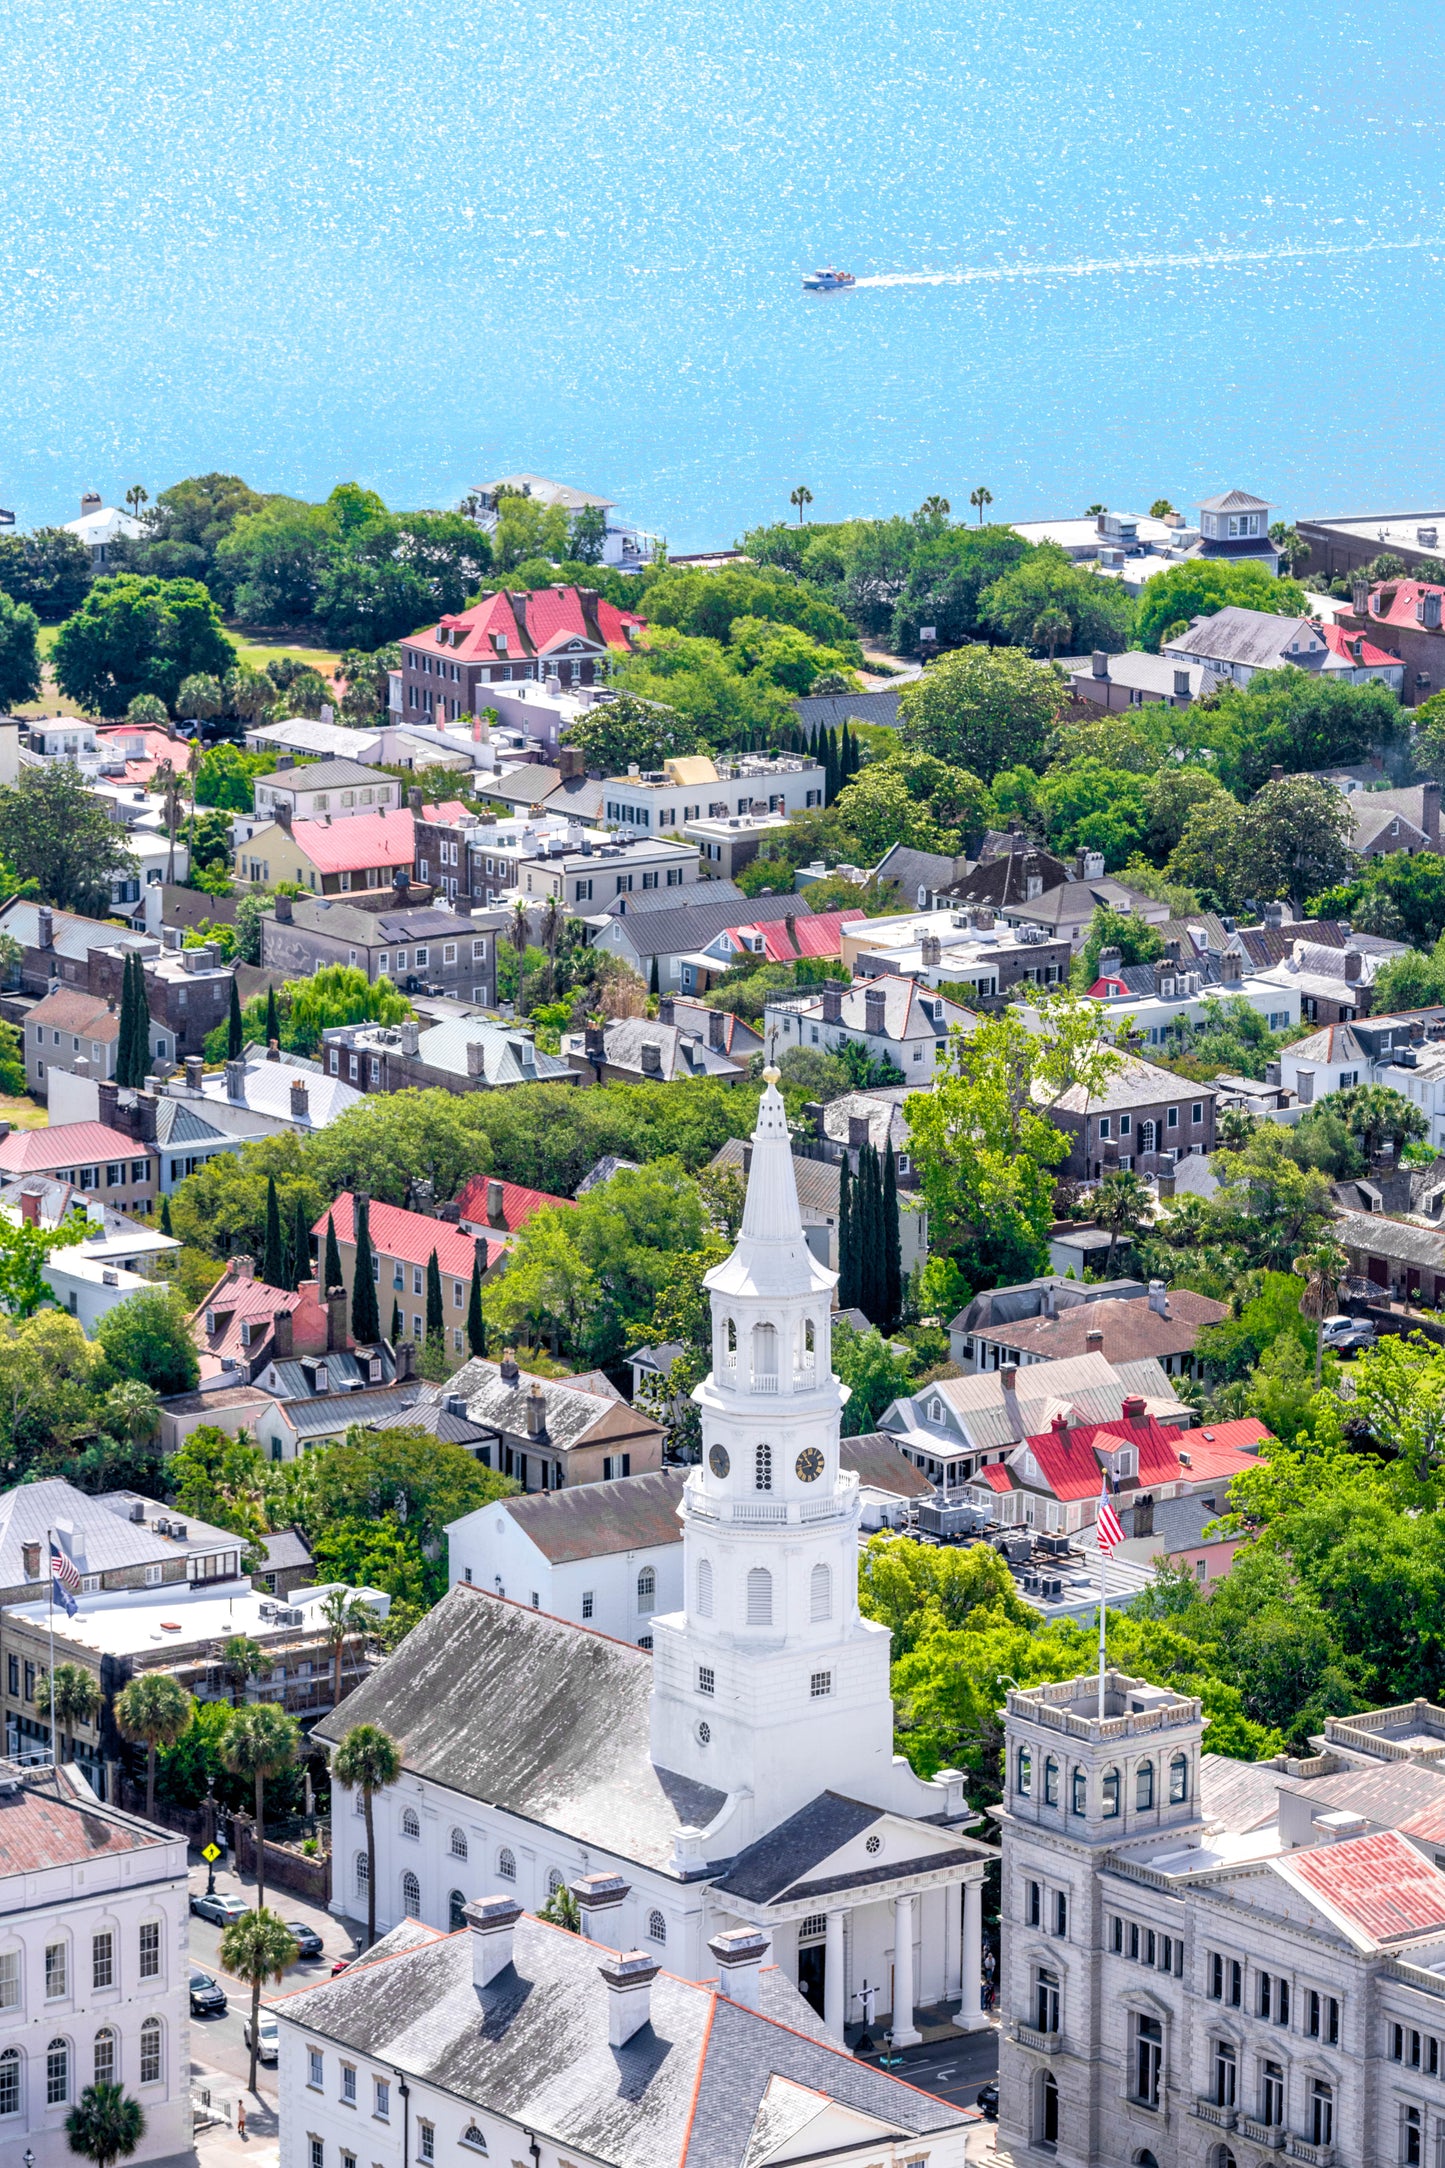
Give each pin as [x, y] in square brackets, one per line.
[211, 1851]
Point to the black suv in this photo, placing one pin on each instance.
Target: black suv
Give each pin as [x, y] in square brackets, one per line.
[208, 1997]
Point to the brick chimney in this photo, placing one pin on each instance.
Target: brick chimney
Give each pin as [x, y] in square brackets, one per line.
[30, 1207]
[235, 1080]
[857, 1132]
[1133, 1406]
[195, 1071]
[536, 1412]
[405, 1353]
[875, 1006]
[300, 1100]
[493, 1922]
[598, 1896]
[284, 916]
[1354, 964]
[717, 1031]
[651, 1058]
[1430, 813]
[283, 1339]
[833, 1003]
[107, 1097]
[496, 1209]
[665, 1010]
[335, 1320]
[508, 1366]
[571, 766]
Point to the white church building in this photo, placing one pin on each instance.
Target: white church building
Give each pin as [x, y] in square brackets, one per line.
[742, 1773]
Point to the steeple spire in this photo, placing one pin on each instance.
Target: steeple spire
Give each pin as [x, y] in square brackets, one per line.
[772, 1257]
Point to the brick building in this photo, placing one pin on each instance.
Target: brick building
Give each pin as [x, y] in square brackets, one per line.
[569, 633]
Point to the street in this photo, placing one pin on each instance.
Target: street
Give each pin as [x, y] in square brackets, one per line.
[954, 2069]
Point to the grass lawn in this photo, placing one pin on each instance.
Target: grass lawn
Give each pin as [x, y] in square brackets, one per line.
[258, 647]
[23, 1114]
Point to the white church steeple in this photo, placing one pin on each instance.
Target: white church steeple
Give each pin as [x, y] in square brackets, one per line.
[769, 1684]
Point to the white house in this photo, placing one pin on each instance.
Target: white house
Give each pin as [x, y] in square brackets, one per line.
[696, 788]
[94, 1975]
[101, 525]
[742, 1774]
[88, 1287]
[891, 1019]
[605, 1555]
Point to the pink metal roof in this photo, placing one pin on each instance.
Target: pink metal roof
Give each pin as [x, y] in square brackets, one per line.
[518, 1205]
[1380, 1885]
[73, 1144]
[1406, 594]
[1338, 641]
[365, 839]
[819, 934]
[411, 1236]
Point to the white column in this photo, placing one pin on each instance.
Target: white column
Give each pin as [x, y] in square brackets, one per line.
[970, 2017]
[905, 2032]
[835, 2004]
[952, 1934]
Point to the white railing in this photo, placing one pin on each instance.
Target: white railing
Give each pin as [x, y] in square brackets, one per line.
[761, 1510]
[1029, 2036]
[765, 1381]
[1209, 2111]
[1270, 2134]
[805, 1377]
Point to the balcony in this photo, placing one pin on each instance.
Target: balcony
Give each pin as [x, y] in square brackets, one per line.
[1318, 2156]
[765, 1381]
[1270, 2134]
[1029, 2036]
[1209, 2111]
[752, 1511]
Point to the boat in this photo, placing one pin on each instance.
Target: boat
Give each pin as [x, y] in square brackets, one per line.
[828, 282]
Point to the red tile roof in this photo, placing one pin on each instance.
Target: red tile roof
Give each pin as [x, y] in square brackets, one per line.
[411, 1236]
[1406, 593]
[518, 1205]
[1338, 641]
[364, 839]
[1379, 1886]
[813, 934]
[73, 1144]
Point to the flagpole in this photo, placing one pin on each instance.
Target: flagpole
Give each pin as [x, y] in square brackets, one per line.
[50, 1563]
[1103, 1590]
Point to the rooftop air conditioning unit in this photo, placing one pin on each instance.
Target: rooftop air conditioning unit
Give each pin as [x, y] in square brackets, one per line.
[267, 1610]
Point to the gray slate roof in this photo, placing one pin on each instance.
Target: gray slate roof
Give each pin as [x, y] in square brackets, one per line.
[378, 929]
[834, 709]
[286, 1548]
[593, 1520]
[1393, 1240]
[571, 1414]
[706, 2081]
[677, 930]
[445, 1046]
[767, 1869]
[545, 1719]
[817, 1179]
[96, 1533]
[681, 1054]
[915, 870]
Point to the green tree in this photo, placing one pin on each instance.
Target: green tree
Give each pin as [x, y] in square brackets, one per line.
[69, 1699]
[983, 709]
[20, 676]
[1170, 796]
[105, 2125]
[1379, 1117]
[1136, 940]
[273, 1254]
[1289, 841]
[332, 1276]
[153, 1711]
[298, 1258]
[133, 635]
[1266, 1202]
[241, 1659]
[1202, 586]
[892, 1242]
[1298, 720]
[268, 568]
[1090, 807]
[133, 1048]
[54, 833]
[435, 1314]
[1321, 1267]
[255, 1949]
[476, 1322]
[874, 1374]
[48, 569]
[368, 1761]
[261, 1742]
[343, 1617]
[148, 1337]
[1047, 601]
[24, 1252]
[909, 798]
[626, 730]
[365, 1318]
[1123, 1205]
[199, 697]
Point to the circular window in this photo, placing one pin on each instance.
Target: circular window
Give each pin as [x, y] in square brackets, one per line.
[704, 1733]
[874, 1844]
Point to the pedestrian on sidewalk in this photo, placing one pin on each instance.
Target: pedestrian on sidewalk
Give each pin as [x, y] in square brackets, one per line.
[241, 2118]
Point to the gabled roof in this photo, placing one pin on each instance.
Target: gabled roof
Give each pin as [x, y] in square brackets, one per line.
[359, 841]
[542, 621]
[519, 1204]
[1131, 1327]
[72, 1009]
[44, 1824]
[595, 1520]
[1404, 597]
[326, 775]
[1378, 1888]
[411, 1236]
[681, 1054]
[571, 1417]
[1333, 1042]
[803, 934]
[71, 935]
[72, 1144]
[1132, 1082]
[677, 929]
[1258, 639]
[818, 1180]
[1224, 1448]
[1343, 645]
[910, 1011]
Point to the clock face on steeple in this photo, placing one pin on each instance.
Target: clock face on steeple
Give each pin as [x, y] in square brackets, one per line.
[809, 1464]
[718, 1461]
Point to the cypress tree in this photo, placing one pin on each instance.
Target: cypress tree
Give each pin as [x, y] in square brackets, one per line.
[331, 1277]
[832, 780]
[300, 1245]
[273, 1254]
[235, 1035]
[436, 1323]
[654, 984]
[166, 1216]
[847, 1277]
[397, 1327]
[365, 1316]
[850, 753]
[868, 1219]
[273, 1025]
[892, 1243]
[476, 1322]
[126, 1074]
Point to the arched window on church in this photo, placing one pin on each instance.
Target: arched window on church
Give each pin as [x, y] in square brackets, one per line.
[820, 1594]
[646, 1592]
[760, 1596]
[730, 1339]
[765, 1353]
[704, 1588]
[763, 1468]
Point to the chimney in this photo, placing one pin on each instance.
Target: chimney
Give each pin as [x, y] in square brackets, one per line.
[1430, 813]
[480, 1246]
[833, 1003]
[410, 1037]
[536, 1412]
[45, 927]
[415, 800]
[1360, 596]
[1101, 663]
[1354, 965]
[1276, 773]
[1231, 967]
[857, 1132]
[1276, 915]
[335, 1320]
[983, 918]
[195, 1070]
[283, 1338]
[1133, 1405]
[931, 952]
[30, 1207]
[740, 1952]
[1111, 962]
[496, 1210]
[1166, 1182]
[1430, 617]
[717, 1029]
[283, 910]
[1008, 1378]
[300, 1100]
[508, 1366]
[597, 1895]
[405, 1353]
[875, 1003]
[285, 760]
[1304, 1084]
[107, 1100]
[244, 1268]
[476, 1058]
[493, 1921]
[570, 765]
[235, 1080]
[1093, 1341]
[651, 1058]
[665, 1010]
[1181, 684]
[629, 1981]
[282, 812]
[594, 1042]
[1158, 1298]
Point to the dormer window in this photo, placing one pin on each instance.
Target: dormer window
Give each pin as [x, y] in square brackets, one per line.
[935, 1411]
[210, 1324]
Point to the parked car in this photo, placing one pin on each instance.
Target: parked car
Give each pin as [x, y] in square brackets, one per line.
[268, 2036]
[341, 1965]
[223, 1908]
[1347, 1335]
[306, 1939]
[988, 2101]
[208, 1997]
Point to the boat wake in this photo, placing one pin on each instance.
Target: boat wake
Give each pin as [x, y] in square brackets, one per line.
[1091, 267]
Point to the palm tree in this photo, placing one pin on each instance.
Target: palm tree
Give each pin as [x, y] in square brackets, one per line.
[105, 2125]
[241, 1658]
[1122, 1204]
[517, 935]
[934, 508]
[260, 1741]
[978, 498]
[75, 1696]
[342, 1615]
[367, 1760]
[256, 1948]
[1051, 626]
[1321, 1267]
[802, 497]
[1233, 1128]
[554, 918]
[135, 497]
[153, 1711]
[172, 804]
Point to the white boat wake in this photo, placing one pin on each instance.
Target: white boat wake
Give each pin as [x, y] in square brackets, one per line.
[1202, 260]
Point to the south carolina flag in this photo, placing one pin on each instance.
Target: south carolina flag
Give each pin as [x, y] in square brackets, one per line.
[1107, 1524]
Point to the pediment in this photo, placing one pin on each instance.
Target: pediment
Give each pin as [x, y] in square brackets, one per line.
[797, 2123]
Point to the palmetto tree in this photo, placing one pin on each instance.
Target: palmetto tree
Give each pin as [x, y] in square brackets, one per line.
[935, 508]
[260, 1741]
[342, 1615]
[1051, 628]
[173, 800]
[71, 1697]
[105, 2125]
[153, 1711]
[801, 498]
[518, 936]
[257, 1948]
[1233, 1128]
[136, 496]
[1321, 1267]
[1122, 1204]
[553, 921]
[979, 498]
[241, 1658]
[367, 1760]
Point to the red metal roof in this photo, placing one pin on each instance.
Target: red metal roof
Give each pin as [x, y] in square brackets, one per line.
[813, 934]
[1338, 641]
[1426, 1827]
[446, 809]
[73, 1144]
[1402, 605]
[1069, 1459]
[364, 839]
[1379, 1885]
[518, 1205]
[995, 1475]
[1218, 1449]
[534, 623]
[411, 1236]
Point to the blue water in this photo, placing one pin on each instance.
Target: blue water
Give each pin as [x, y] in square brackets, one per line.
[419, 245]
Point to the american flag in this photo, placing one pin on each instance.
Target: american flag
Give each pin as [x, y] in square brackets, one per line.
[1107, 1524]
[65, 1573]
